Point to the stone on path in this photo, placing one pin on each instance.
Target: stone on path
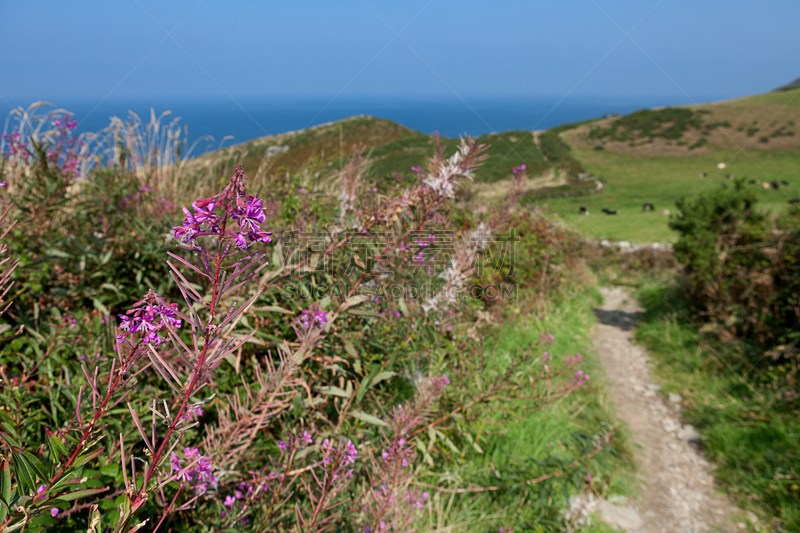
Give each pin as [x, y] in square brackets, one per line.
[624, 518]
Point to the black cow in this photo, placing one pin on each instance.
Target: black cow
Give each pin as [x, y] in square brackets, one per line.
[609, 212]
[753, 182]
[648, 207]
[784, 183]
[794, 201]
[774, 185]
[728, 176]
[582, 210]
[703, 174]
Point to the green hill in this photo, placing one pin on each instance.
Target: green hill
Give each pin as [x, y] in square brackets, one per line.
[650, 156]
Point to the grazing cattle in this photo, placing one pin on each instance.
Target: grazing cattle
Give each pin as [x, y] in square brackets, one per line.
[794, 201]
[765, 185]
[784, 183]
[648, 207]
[609, 212]
[724, 185]
[665, 212]
[728, 176]
[582, 210]
[703, 174]
[775, 184]
[753, 182]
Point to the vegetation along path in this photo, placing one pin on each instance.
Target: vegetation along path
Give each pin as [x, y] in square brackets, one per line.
[678, 490]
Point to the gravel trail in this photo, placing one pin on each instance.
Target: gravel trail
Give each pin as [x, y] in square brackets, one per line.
[678, 494]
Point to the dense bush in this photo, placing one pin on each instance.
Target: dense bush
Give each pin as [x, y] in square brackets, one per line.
[291, 389]
[668, 123]
[743, 272]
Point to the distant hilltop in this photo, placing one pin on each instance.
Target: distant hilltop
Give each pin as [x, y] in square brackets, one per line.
[793, 85]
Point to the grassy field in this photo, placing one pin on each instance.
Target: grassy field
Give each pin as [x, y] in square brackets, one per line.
[651, 169]
[632, 180]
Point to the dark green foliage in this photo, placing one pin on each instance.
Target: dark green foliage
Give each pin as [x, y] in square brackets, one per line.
[668, 123]
[558, 152]
[743, 272]
[102, 252]
[700, 142]
[391, 163]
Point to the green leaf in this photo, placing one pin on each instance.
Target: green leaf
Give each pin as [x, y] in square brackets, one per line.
[334, 391]
[387, 374]
[364, 312]
[403, 308]
[369, 419]
[5, 489]
[350, 349]
[86, 457]
[36, 465]
[100, 307]
[58, 253]
[23, 474]
[271, 309]
[355, 300]
[56, 448]
[362, 389]
[111, 287]
[82, 493]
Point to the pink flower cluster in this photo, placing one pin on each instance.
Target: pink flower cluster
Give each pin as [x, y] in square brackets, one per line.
[312, 317]
[66, 146]
[15, 144]
[233, 204]
[519, 169]
[580, 378]
[296, 442]
[148, 317]
[197, 474]
[346, 452]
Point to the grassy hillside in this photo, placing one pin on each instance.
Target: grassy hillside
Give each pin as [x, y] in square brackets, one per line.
[650, 156]
[643, 160]
[390, 147]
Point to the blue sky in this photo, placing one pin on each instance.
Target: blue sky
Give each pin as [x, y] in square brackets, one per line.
[120, 49]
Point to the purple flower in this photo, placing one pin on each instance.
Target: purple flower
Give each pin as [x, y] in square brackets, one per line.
[351, 453]
[240, 241]
[204, 212]
[249, 213]
[282, 445]
[193, 411]
[54, 512]
[3, 183]
[305, 437]
[416, 169]
[148, 317]
[229, 501]
[175, 462]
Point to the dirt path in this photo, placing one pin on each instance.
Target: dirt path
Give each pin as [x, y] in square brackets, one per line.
[678, 491]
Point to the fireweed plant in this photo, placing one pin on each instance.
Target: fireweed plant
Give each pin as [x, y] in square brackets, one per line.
[314, 438]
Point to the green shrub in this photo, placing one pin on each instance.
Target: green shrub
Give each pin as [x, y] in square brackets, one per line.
[742, 271]
[668, 123]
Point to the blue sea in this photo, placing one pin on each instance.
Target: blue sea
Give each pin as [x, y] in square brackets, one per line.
[248, 118]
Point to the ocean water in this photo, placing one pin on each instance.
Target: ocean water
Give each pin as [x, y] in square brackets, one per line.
[248, 118]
